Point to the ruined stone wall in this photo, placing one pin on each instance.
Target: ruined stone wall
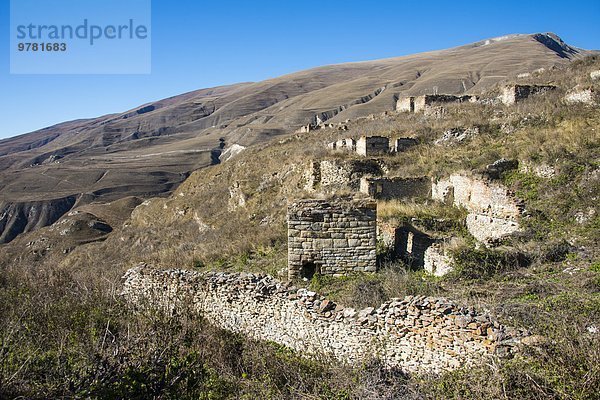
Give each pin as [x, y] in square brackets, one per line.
[420, 103]
[436, 261]
[417, 334]
[585, 95]
[396, 188]
[346, 144]
[339, 174]
[423, 103]
[372, 145]
[515, 93]
[331, 238]
[405, 104]
[402, 144]
[493, 209]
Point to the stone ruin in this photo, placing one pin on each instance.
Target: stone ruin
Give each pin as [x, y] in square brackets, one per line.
[405, 242]
[514, 93]
[416, 334]
[583, 95]
[334, 175]
[331, 237]
[396, 188]
[493, 211]
[373, 145]
[414, 104]
[402, 144]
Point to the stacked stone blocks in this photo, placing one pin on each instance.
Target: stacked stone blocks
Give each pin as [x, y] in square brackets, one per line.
[331, 237]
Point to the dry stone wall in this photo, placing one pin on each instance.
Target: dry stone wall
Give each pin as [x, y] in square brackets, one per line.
[331, 238]
[417, 334]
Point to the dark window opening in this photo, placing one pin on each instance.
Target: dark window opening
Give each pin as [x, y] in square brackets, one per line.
[308, 270]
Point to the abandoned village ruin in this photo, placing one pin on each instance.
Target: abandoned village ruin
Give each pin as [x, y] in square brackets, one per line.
[336, 235]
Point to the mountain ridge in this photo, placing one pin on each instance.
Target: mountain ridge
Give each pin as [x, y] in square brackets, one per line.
[150, 149]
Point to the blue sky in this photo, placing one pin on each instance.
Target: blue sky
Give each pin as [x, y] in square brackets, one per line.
[198, 44]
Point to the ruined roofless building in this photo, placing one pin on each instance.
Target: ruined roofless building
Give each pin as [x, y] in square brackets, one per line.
[415, 104]
[372, 145]
[334, 237]
[514, 93]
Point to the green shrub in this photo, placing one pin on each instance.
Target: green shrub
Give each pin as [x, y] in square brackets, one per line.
[471, 263]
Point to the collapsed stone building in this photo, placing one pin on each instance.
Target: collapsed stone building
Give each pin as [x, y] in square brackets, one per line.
[493, 211]
[383, 188]
[373, 145]
[512, 94]
[331, 237]
[415, 104]
[335, 175]
[405, 242]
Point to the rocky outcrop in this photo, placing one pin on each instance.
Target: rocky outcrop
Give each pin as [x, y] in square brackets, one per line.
[417, 334]
[231, 151]
[493, 211]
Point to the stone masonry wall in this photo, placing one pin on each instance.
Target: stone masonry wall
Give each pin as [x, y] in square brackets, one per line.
[396, 188]
[425, 102]
[405, 104]
[340, 174]
[331, 238]
[372, 145]
[493, 209]
[417, 334]
[515, 93]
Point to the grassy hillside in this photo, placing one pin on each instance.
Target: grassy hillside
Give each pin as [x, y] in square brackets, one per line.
[64, 331]
[148, 151]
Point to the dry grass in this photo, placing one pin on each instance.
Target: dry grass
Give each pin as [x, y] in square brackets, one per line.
[65, 333]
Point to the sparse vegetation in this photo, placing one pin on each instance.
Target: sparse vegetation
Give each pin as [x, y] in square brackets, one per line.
[65, 332]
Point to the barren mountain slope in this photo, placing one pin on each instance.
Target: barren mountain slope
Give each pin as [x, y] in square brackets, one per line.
[151, 149]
